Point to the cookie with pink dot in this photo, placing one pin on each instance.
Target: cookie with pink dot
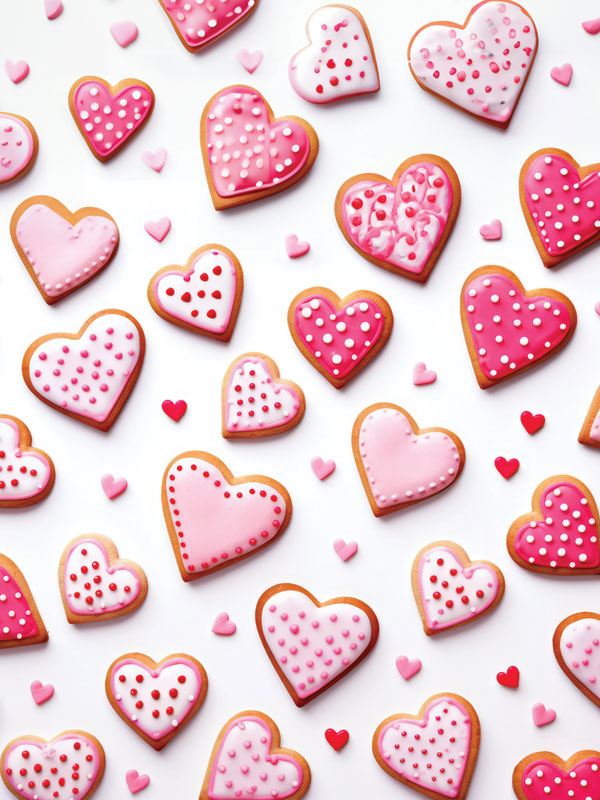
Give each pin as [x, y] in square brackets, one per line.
[543, 774]
[19, 147]
[26, 473]
[576, 644]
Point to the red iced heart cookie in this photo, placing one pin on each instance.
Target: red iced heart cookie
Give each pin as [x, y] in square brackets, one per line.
[510, 678]
[508, 329]
[20, 621]
[18, 147]
[560, 535]
[336, 739]
[532, 422]
[277, 152]
[339, 336]
[108, 116]
[26, 473]
[540, 775]
[198, 24]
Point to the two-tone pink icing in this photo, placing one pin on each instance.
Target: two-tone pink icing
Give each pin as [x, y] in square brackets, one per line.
[255, 401]
[17, 147]
[16, 620]
[200, 22]
[580, 649]
[594, 432]
[542, 779]
[400, 224]
[23, 474]
[482, 67]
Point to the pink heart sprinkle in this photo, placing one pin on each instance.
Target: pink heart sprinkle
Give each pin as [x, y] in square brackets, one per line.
[492, 231]
[159, 229]
[124, 32]
[322, 469]
[345, 550]
[155, 160]
[249, 61]
[562, 74]
[135, 781]
[591, 26]
[542, 715]
[16, 70]
[113, 487]
[597, 308]
[407, 667]
[295, 248]
[53, 8]
[41, 692]
[422, 376]
[223, 626]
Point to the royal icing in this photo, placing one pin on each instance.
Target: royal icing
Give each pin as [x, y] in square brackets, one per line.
[245, 767]
[17, 147]
[594, 432]
[402, 466]
[246, 151]
[564, 207]
[255, 401]
[86, 376]
[482, 67]
[431, 752]
[16, 620]
[509, 330]
[216, 521]
[199, 22]
[452, 593]
[339, 61]
[156, 701]
[566, 537]
[204, 296]
[313, 645]
[580, 649]
[64, 255]
[542, 778]
[22, 474]
[400, 224]
[61, 769]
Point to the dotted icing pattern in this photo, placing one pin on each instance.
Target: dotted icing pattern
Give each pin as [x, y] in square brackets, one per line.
[16, 620]
[580, 649]
[432, 752]
[200, 22]
[509, 330]
[595, 428]
[93, 587]
[22, 474]
[16, 147]
[481, 68]
[255, 401]
[543, 778]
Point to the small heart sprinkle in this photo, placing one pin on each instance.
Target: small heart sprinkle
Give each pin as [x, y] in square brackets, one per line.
[407, 667]
[155, 160]
[492, 231]
[158, 229]
[223, 626]
[562, 74]
[532, 422]
[542, 715]
[17, 71]
[135, 781]
[113, 487]
[337, 739]
[124, 32]
[41, 692]
[506, 468]
[174, 410]
[345, 550]
[322, 469]
[53, 8]
[295, 248]
[423, 376]
[249, 61]
[591, 26]
[510, 678]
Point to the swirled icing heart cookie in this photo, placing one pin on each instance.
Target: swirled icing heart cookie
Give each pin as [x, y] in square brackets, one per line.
[480, 67]
[401, 224]
[277, 152]
[215, 519]
[26, 473]
[576, 645]
[20, 621]
[90, 374]
[399, 463]
[433, 752]
[451, 590]
[156, 698]
[590, 430]
[338, 635]
[198, 24]
[69, 766]
[255, 401]
[247, 759]
[18, 147]
[559, 536]
[339, 61]
[61, 250]
[544, 774]
[202, 297]
[508, 329]
[561, 203]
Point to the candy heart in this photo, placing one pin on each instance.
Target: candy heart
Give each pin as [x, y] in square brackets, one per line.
[336, 635]
[26, 473]
[249, 61]
[174, 411]
[591, 26]
[322, 469]
[240, 115]
[294, 247]
[480, 67]
[108, 116]
[135, 781]
[542, 715]
[124, 32]
[215, 519]
[41, 692]
[510, 678]
[18, 147]
[20, 621]
[113, 487]
[345, 550]
[200, 24]
[400, 463]
[407, 667]
[337, 739]
[53, 8]
[158, 229]
[339, 61]
[16, 70]
[155, 160]
[532, 422]
[576, 779]
[562, 74]
[492, 231]
[223, 626]
[577, 649]
[507, 329]
[506, 468]
[423, 376]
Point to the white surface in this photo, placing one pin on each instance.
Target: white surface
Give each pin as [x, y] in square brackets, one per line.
[370, 134]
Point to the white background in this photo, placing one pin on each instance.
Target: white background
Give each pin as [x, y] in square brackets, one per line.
[370, 134]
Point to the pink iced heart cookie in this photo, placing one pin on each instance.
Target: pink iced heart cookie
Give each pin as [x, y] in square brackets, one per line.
[561, 203]
[26, 473]
[18, 147]
[255, 401]
[156, 699]
[401, 225]
[198, 24]
[61, 250]
[88, 375]
[480, 67]
[338, 634]
[507, 329]
[434, 751]
[559, 536]
[399, 463]
[339, 61]
[451, 590]
[577, 650]
[339, 336]
[108, 116]
[277, 152]
[541, 774]
[20, 621]
[214, 519]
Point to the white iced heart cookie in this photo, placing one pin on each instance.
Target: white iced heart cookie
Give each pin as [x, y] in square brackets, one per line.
[577, 650]
[26, 474]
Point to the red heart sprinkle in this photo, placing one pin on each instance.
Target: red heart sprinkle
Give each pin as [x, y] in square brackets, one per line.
[509, 678]
[532, 422]
[174, 410]
[337, 739]
[506, 468]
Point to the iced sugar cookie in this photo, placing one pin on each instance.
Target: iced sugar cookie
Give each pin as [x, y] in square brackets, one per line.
[198, 24]
[576, 645]
[18, 147]
[26, 473]
[541, 774]
[20, 621]
[590, 430]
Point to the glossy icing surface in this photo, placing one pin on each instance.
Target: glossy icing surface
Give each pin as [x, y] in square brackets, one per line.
[16, 620]
[200, 22]
[16, 147]
[22, 474]
[543, 778]
[580, 649]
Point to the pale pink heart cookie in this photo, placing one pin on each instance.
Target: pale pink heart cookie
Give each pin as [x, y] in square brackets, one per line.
[18, 147]
[41, 692]
[198, 24]
[26, 474]
[577, 779]
[577, 650]
[17, 71]
[480, 67]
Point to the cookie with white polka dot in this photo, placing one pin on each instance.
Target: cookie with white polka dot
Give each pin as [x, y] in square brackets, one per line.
[544, 774]
[20, 621]
[198, 24]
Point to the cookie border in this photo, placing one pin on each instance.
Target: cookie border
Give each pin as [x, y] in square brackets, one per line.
[195, 49]
[546, 755]
[36, 146]
[25, 440]
[42, 634]
[556, 637]
[584, 434]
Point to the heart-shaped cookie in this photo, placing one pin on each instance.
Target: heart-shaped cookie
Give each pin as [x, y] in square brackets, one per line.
[202, 297]
[312, 645]
[69, 766]
[95, 583]
[451, 590]
[247, 760]
[26, 473]
[20, 621]
[90, 374]
[559, 536]
[339, 61]
[339, 336]
[198, 24]
[61, 250]
[276, 153]
[507, 329]
[399, 463]
[590, 430]
[214, 519]
[576, 644]
[401, 225]
[255, 401]
[108, 116]
[433, 752]
[18, 147]
[544, 774]
[561, 203]
[156, 699]
[481, 66]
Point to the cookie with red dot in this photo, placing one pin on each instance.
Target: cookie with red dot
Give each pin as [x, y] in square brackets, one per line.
[21, 623]
[26, 473]
[544, 774]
